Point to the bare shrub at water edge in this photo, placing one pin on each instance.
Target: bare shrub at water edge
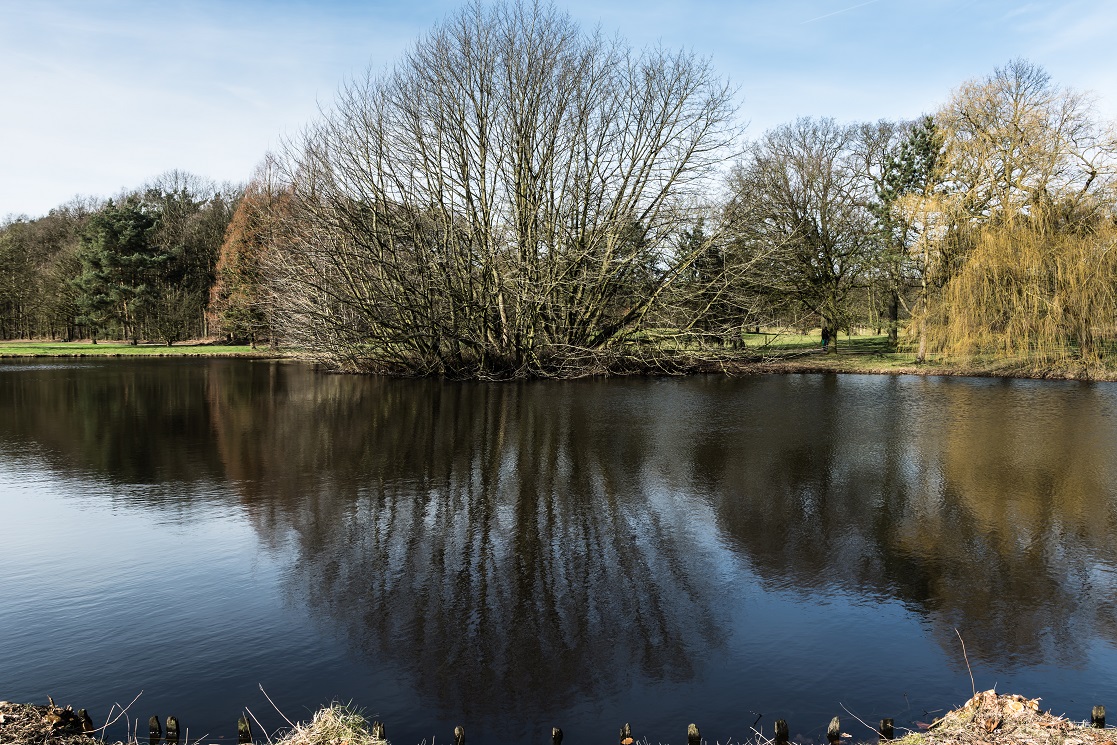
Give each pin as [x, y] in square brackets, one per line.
[513, 188]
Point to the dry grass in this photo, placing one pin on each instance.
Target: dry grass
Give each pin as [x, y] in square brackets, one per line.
[27, 724]
[986, 719]
[336, 724]
[1006, 719]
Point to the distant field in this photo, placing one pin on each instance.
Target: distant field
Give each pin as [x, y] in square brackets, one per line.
[784, 340]
[114, 348]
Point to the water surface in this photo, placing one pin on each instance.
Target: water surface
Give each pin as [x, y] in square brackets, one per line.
[517, 556]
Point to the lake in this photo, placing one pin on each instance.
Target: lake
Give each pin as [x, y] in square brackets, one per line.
[512, 557]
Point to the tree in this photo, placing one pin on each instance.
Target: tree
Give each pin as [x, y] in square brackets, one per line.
[902, 161]
[238, 298]
[1014, 141]
[193, 215]
[485, 207]
[17, 280]
[119, 268]
[799, 208]
[1025, 218]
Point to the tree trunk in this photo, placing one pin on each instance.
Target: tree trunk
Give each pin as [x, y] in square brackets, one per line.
[894, 317]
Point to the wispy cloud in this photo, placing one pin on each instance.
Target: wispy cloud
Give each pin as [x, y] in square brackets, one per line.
[839, 12]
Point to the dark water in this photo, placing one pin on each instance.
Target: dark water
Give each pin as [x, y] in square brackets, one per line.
[514, 557]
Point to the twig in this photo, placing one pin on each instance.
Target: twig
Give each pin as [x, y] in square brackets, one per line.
[274, 706]
[973, 686]
[254, 719]
[867, 725]
[110, 720]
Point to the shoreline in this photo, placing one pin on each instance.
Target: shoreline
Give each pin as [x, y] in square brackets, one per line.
[988, 718]
[791, 362]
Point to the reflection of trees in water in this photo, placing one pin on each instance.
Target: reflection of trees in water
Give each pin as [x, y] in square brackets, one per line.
[499, 542]
[518, 544]
[127, 421]
[989, 508]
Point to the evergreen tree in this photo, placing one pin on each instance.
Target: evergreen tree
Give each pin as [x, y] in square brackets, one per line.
[120, 267]
[910, 170]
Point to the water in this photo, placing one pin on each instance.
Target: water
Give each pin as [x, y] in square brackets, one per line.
[518, 556]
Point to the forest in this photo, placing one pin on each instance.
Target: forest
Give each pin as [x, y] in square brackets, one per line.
[518, 197]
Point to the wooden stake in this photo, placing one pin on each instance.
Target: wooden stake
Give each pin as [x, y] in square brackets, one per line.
[172, 729]
[782, 733]
[556, 736]
[693, 736]
[244, 730]
[154, 731]
[886, 730]
[834, 731]
[1097, 717]
[459, 735]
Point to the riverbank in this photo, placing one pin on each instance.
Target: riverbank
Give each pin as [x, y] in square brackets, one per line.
[863, 356]
[986, 719]
[9, 349]
[899, 363]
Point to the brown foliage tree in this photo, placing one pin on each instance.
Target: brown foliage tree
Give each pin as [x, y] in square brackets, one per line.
[238, 302]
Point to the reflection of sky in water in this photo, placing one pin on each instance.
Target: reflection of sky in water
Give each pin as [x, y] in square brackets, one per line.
[577, 554]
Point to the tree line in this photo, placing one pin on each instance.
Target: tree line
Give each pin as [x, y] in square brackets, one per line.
[520, 197]
[139, 266]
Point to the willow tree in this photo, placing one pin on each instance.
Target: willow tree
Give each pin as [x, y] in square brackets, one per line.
[1025, 214]
[503, 200]
[1029, 291]
[1015, 141]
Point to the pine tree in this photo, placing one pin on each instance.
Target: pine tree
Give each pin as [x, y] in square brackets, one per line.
[119, 269]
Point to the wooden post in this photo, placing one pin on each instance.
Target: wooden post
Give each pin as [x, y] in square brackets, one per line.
[693, 736]
[1097, 717]
[556, 736]
[834, 731]
[154, 731]
[626, 734]
[378, 731]
[172, 729]
[86, 721]
[459, 735]
[886, 730]
[782, 733]
[244, 730]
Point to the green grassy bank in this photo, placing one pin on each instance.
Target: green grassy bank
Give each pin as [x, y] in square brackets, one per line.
[125, 349]
[763, 353]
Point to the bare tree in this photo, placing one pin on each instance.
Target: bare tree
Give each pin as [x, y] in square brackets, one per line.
[505, 198]
[800, 207]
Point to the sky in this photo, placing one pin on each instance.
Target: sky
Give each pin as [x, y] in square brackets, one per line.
[99, 96]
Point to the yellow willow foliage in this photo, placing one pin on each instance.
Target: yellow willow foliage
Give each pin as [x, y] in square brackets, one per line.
[1025, 291]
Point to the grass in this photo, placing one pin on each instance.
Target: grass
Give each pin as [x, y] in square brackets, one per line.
[779, 350]
[783, 340]
[337, 724]
[125, 349]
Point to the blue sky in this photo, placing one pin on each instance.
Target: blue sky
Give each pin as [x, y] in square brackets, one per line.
[97, 96]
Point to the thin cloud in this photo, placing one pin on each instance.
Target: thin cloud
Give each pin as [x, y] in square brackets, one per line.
[837, 12]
